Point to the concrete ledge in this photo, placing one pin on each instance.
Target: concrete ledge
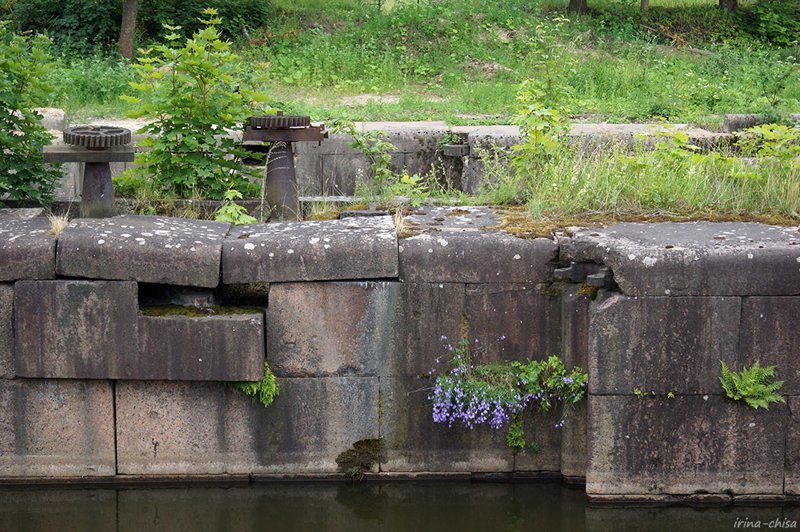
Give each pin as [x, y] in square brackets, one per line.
[353, 248]
[693, 258]
[458, 245]
[27, 249]
[143, 248]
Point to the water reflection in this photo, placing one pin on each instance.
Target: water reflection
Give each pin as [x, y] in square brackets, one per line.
[441, 507]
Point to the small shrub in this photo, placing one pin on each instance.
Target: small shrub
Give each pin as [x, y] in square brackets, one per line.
[232, 212]
[753, 385]
[23, 67]
[776, 21]
[263, 391]
[195, 97]
[498, 393]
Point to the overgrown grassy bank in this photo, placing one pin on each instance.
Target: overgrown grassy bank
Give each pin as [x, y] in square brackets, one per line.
[463, 60]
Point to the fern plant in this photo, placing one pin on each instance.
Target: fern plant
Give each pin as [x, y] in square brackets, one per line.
[754, 385]
[263, 391]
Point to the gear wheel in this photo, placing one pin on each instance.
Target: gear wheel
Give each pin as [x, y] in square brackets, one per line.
[279, 121]
[97, 137]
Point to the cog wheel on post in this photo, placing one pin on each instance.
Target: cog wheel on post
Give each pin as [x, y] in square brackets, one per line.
[97, 137]
[279, 121]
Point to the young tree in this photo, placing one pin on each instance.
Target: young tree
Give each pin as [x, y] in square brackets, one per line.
[127, 30]
[730, 5]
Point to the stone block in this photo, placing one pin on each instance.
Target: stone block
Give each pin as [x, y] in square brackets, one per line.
[212, 348]
[462, 245]
[341, 172]
[528, 316]
[662, 344]
[689, 444]
[327, 329]
[693, 258]
[58, 509]
[56, 428]
[413, 442]
[770, 334]
[74, 329]
[792, 466]
[426, 313]
[143, 248]
[183, 428]
[574, 443]
[422, 163]
[540, 429]
[6, 331]
[353, 248]
[490, 137]
[27, 249]
[308, 169]
[19, 214]
[575, 313]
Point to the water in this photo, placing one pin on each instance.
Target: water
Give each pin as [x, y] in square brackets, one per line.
[396, 506]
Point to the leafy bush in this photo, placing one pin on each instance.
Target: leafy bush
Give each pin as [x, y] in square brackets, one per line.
[81, 26]
[195, 98]
[23, 67]
[263, 391]
[497, 394]
[776, 21]
[754, 385]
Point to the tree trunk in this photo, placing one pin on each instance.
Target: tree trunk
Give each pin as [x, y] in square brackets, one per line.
[127, 30]
[730, 5]
[578, 6]
[645, 6]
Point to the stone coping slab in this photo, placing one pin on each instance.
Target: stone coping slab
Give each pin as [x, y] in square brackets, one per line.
[354, 248]
[693, 258]
[458, 244]
[27, 249]
[143, 248]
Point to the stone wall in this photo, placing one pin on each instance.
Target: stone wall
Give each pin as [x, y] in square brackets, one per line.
[96, 384]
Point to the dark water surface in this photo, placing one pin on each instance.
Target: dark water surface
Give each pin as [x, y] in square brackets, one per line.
[396, 506]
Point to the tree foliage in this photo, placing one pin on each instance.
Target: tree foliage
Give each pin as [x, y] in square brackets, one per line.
[23, 67]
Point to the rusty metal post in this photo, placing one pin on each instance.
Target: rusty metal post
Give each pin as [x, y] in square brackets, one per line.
[97, 197]
[281, 185]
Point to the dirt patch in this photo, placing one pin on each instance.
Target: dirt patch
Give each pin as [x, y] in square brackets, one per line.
[366, 98]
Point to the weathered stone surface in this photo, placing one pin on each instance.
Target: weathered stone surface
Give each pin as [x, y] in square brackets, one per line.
[657, 445]
[56, 428]
[6, 331]
[693, 258]
[355, 248]
[413, 442]
[792, 466]
[662, 344]
[15, 215]
[426, 313]
[213, 348]
[326, 329]
[770, 334]
[209, 428]
[27, 249]
[575, 311]
[541, 430]
[74, 329]
[455, 244]
[143, 248]
[526, 316]
[58, 509]
[53, 119]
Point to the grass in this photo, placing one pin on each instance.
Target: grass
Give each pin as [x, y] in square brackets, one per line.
[462, 61]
